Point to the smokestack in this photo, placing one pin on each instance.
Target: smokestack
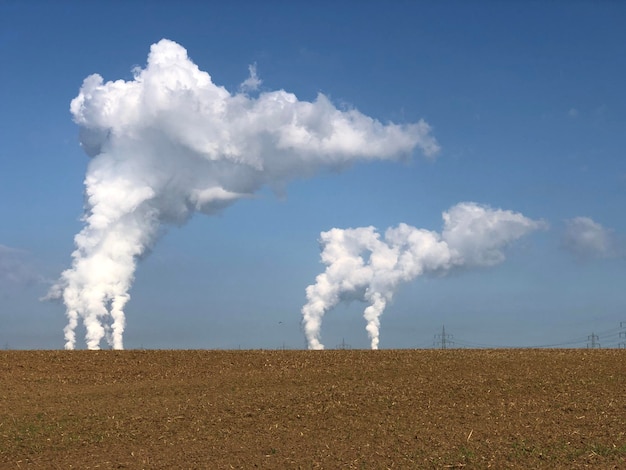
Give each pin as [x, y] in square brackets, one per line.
[360, 265]
[169, 143]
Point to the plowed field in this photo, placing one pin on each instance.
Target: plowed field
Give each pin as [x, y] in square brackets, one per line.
[313, 409]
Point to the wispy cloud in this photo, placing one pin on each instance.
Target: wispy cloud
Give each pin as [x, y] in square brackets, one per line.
[253, 82]
[587, 239]
[16, 268]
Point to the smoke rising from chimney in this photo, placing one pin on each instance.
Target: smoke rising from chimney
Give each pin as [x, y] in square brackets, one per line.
[362, 265]
[169, 143]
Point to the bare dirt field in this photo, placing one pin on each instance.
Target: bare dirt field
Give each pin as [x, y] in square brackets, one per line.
[313, 409]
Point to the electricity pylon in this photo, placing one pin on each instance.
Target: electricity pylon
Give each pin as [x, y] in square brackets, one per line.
[444, 341]
[593, 344]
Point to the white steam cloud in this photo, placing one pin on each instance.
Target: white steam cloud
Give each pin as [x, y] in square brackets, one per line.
[362, 265]
[169, 143]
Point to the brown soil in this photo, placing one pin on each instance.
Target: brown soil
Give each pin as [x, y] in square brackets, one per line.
[313, 409]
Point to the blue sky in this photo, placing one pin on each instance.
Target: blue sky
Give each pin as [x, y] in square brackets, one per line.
[526, 100]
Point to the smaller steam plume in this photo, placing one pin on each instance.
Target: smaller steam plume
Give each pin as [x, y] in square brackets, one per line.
[361, 265]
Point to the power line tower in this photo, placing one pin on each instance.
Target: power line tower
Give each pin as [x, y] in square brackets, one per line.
[593, 341]
[343, 345]
[443, 340]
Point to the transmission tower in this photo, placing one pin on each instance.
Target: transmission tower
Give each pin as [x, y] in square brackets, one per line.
[343, 345]
[443, 340]
[593, 341]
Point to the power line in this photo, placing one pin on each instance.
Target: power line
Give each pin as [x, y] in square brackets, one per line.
[614, 337]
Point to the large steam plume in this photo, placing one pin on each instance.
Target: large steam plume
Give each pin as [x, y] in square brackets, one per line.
[169, 143]
[361, 265]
